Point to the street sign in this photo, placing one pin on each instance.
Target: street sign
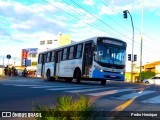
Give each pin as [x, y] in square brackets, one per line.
[8, 56]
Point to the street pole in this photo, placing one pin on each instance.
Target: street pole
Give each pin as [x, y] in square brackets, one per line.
[142, 19]
[132, 55]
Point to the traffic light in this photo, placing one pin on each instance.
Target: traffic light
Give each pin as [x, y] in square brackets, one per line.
[129, 57]
[135, 57]
[125, 13]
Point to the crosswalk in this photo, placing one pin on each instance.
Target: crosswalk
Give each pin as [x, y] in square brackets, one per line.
[104, 91]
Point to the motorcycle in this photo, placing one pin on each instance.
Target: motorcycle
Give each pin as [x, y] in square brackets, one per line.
[14, 72]
[25, 73]
[5, 71]
[9, 72]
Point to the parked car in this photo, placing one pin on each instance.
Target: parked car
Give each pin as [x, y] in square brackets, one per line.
[154, 80]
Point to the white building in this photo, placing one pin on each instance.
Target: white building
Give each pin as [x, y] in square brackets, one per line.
[52, 42]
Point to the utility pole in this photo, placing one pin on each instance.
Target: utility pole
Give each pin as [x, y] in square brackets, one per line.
[132, 55]
[142, 19]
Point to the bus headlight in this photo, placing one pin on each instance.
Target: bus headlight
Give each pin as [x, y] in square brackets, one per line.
[101, 70]
[122, 73]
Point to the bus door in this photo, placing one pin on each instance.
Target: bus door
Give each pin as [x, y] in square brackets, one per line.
[43, 64]
[87, 59]
[57, 63]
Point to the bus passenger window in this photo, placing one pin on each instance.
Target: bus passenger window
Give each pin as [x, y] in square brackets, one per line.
[71, 52]
[52, 57]
[64, 54]
[40, 59]
[48, 56]
[79, 51]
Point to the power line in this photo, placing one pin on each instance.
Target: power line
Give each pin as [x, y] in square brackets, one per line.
[100, 20]
[74, 16]
[120, 14]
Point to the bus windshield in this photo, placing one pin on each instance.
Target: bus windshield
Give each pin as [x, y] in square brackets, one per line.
[110, 54]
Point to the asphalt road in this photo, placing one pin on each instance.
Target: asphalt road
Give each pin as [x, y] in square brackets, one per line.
[20, 94]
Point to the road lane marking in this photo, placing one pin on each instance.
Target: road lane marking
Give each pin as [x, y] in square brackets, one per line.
[87, 90]
[68, 88]
[125, 104]
[121, 107]
[47, 86]
[109, 92]
[152, 100]
[138, 94]
[19, 85]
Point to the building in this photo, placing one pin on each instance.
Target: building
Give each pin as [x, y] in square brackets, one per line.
[29, 58]
[1, 70]
[153, 66]
[135, 74]
[54, 42]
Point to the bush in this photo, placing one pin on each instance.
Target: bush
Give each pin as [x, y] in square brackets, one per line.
[67, 109]
[148, 74]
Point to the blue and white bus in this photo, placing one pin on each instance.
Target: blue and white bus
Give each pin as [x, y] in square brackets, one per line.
[97, 59]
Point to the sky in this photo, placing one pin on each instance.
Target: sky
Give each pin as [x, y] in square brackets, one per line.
[24, 22]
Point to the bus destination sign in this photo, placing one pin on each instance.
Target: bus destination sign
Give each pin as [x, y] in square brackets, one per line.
[112, 42]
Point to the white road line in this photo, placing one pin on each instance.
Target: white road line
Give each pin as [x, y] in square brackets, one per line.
[109, 92]
[47, 86]
[68, 88]
[24, 85]
[87, 90]
[153, 100]
[137, 94]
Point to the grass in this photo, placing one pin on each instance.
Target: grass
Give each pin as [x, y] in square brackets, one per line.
[67, 109]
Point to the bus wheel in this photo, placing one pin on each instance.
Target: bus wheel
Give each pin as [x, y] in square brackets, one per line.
[103, 82]
[78, 76]
[48, 76]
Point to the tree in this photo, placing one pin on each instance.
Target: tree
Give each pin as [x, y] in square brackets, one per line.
[147, 74]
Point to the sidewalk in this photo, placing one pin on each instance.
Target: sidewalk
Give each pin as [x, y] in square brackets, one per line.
[4, 77]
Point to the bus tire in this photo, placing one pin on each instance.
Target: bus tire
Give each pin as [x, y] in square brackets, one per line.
[48, 75]
[78, 76]
[103, 82]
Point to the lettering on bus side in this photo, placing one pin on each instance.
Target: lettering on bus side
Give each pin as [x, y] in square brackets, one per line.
[73, 62]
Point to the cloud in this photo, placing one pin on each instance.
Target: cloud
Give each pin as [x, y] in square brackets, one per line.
[106, 10]
[26, 20]
[88, 2]
[117, 6]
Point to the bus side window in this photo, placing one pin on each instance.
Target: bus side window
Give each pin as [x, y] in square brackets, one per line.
[71, 52]
[59, 55]
[79, 51]
[40, 58]
[52, 56]
[65, 52]
[48, 57]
